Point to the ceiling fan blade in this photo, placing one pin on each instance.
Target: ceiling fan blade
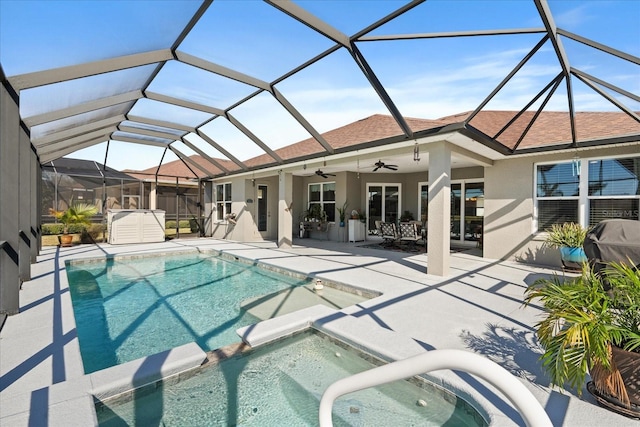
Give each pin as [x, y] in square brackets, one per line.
[392, 167]
[376, 168]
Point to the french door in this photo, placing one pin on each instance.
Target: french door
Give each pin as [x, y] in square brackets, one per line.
[263, 210]
[383, 204]
[467, 211]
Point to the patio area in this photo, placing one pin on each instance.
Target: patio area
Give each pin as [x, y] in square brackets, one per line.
[477, 308]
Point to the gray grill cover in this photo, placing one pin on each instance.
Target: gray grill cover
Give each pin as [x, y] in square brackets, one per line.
[613, 240]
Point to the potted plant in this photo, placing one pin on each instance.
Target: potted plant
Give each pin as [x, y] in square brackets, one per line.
[77, 213]
[314, 213]
[362, 216]
[568, 238]
[342, 213]
[589, 330]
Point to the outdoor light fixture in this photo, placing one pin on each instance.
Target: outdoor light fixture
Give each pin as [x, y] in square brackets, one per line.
[416, 153]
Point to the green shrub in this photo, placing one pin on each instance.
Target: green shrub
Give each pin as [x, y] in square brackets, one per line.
[52, 229]
[55, 229]
[172, 224]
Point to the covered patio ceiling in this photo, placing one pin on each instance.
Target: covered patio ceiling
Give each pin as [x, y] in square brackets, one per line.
[236, 81]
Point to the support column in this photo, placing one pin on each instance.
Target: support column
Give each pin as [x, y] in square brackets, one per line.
[153, 196]
[285, 216]
[439, 224]
[208, 208]
[36, 185]
[9, 202]
[24, 207]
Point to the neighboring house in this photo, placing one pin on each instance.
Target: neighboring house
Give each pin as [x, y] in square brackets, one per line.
[173, 188]
[66, 180]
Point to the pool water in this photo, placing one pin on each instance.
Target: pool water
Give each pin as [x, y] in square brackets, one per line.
[281, 384]
[131, 308]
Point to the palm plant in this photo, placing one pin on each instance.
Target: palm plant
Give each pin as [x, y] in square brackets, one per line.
[582, 323]
[78, 213]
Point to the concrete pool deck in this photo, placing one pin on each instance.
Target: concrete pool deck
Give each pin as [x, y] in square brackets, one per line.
[478, 308]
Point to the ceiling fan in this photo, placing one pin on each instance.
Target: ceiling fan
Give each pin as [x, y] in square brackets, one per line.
[324, 175]
[380, 164]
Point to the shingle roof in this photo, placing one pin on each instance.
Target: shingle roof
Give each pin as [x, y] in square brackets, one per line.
[369, 129]
[179, 169]
[550, 128]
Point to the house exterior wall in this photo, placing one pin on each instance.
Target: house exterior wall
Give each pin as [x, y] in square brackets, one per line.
[509, 205]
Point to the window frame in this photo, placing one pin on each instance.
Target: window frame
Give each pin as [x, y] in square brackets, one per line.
[226, 203]
[583, 198]
[322, 202]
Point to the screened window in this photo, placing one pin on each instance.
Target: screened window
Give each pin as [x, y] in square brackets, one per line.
[323, 195]
[223, 200]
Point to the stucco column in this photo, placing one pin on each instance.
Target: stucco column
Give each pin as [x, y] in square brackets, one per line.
[285, 217]
[439, 223]
[153, 196]
[9, 203]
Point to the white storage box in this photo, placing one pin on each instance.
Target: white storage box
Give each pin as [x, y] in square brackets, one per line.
[135, 226]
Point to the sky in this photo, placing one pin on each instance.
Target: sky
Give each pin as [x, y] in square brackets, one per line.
[425, 78]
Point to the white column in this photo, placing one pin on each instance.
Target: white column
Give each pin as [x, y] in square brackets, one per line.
[9, 202]
[285, 217]
[439, 223]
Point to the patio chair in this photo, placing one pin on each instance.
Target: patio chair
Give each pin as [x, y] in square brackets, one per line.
[388, 232]
[409, 233]
[378, 231]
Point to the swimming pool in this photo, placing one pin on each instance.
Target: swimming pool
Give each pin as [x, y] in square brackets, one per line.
[281, 384]
[134, 307]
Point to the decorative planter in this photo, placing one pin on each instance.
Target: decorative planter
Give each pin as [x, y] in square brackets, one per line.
[341, 223]
[575, 255]
[572, 258]
[627, 364]
[66, 240]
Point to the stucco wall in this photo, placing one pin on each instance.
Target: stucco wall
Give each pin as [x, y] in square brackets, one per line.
[509, 192]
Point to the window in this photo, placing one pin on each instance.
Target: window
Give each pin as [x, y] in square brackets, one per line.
[614, 189]
[223, 200]
[323, 195]
[601, 188]
[557, 192]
